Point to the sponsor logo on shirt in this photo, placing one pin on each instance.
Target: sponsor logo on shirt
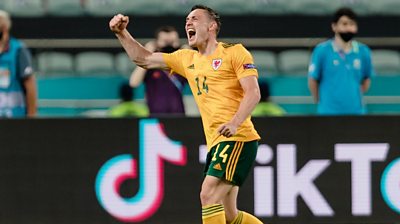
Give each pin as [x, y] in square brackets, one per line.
[216, 63]
[336, 62]
[357, 64]
[217, 166]
[5, 79]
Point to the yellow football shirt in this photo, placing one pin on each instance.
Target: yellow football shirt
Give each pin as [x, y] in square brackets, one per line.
[214, 81]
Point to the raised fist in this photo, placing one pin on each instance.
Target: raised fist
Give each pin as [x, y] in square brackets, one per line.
[118, 23]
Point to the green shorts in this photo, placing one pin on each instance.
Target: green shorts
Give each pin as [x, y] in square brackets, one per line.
[231, 161]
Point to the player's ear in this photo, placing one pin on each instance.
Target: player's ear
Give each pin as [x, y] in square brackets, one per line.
[333, 26]
[213, 26]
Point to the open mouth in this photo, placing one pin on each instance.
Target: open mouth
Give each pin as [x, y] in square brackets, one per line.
[191, 33]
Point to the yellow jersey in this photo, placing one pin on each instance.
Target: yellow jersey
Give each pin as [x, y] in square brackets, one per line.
[214, 81]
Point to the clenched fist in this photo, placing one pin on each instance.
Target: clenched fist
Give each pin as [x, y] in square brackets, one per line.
[118, 23]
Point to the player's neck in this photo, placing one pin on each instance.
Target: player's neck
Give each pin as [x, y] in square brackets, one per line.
[208, 47]
[3, 44]
[342, 45]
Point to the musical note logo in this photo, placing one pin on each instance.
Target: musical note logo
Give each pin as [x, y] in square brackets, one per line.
[154, 149]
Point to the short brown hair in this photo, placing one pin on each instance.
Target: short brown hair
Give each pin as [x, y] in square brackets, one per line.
[212, 13]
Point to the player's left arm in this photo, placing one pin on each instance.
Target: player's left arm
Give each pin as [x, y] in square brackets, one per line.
[250, 100]
[31, 95]
[368, 70]
[315, 72]
[28, 81]
[243, 65]
[366, 83]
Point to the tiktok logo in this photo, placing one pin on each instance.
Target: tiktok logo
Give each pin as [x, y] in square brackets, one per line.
[390, 185]
[154, 149]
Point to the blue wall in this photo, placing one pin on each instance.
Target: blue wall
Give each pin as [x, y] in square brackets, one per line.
[106, 88]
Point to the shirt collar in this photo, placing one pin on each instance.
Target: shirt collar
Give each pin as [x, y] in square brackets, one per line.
[354, 46]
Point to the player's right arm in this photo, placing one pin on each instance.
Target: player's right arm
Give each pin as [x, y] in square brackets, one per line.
[313, 86]
[314, 73]
[136, 52]
[138, 74]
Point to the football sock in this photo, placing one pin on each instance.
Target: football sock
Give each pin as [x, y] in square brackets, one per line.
[245, 218]
[213, 214]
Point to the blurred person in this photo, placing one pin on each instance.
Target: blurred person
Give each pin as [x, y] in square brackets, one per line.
[163, 91]
[340, 69]
[265, 107]
[18, 96]
[127, 107]
[223, 80]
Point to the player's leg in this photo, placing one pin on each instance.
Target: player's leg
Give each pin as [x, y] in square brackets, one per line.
[213, 191]
[228, 164]
[241, 167]
[230, 204]
[232, 214]
[245, 218]
[215, 187]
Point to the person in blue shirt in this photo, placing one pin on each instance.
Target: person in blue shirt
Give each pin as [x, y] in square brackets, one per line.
[17, 82]
[340, 69]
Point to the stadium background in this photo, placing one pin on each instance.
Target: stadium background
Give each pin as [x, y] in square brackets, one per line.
[65, 37]
[49, 166]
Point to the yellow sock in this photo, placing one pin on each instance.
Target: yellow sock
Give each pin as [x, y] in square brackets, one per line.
[238, 219]
[213, 214]
[245, 218]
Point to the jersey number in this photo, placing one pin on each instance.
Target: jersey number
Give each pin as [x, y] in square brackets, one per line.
[204, 86]
[222, 154]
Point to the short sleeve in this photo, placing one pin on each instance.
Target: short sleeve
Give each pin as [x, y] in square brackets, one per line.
[315, 67]
[175, 61]
[242, 62]
[368, 68]
[25, 68]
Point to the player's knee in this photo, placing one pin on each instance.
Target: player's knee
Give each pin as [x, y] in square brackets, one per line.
[207, 197]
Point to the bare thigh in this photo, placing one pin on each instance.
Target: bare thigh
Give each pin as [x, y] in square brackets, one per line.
[214, 190]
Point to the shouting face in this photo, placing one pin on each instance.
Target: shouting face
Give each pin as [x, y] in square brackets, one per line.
[199, 27]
